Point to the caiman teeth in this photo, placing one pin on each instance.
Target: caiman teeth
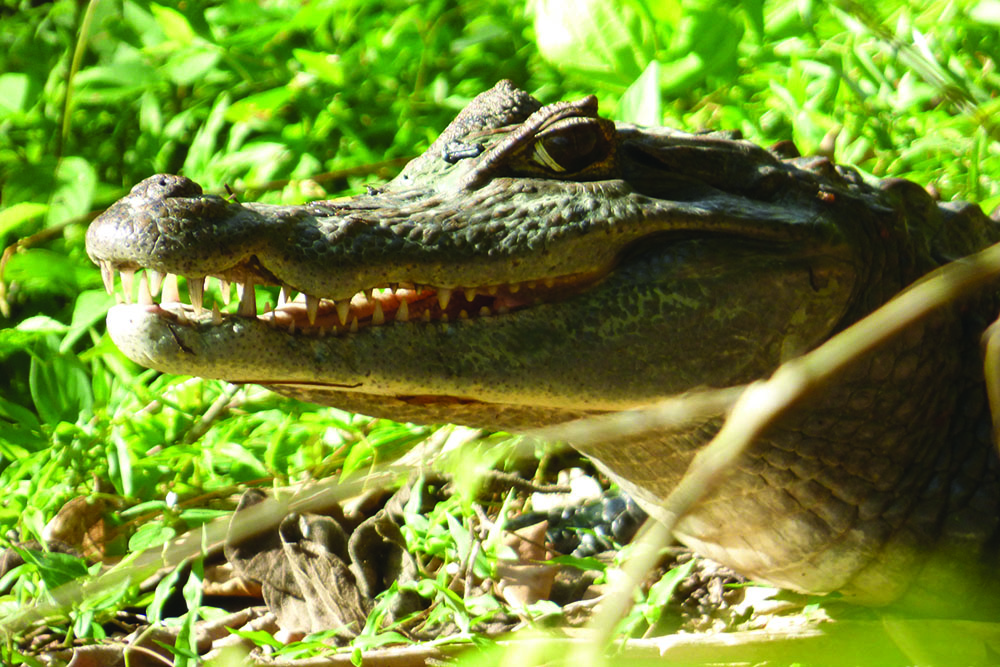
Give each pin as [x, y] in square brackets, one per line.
[343, 311]
[227, 295]
[108, 276]
[444, 297]
[196, 290]
[171, 293]
[128, 281]
[313, 315]
[145, 297]
[155, 281]
[312, 308]
[248, 299]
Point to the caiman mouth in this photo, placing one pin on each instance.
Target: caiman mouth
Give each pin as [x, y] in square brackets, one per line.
[198, 299]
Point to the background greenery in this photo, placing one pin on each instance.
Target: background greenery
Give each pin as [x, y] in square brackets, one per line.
[288, 101]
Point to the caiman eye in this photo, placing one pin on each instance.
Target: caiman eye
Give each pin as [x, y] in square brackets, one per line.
[571, 147]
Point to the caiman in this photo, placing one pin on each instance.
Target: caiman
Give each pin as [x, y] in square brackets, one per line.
[540, 263]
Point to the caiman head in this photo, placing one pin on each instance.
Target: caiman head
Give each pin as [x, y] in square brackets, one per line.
[539, 263]
[535, 264]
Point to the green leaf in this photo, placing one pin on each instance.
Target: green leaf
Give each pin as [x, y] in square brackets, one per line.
[368, 642]
[258, 637]
[246, 466]
[461, 537]
[191, 64]
[661, 592]
[15, 94]
[41, 324]
[173, 24]
[60, 386]
[641, 103]
[120, 466]
[755, 15]
[18, 413]
[608, 41]
[19, 214]
[151, 535]
[74, 193]
[986, 11]
[55, 568]
[580, 563]
[325, 66]
[187, 639]
[90, 307]
[259, 107]
[202, 151]
[112, 82]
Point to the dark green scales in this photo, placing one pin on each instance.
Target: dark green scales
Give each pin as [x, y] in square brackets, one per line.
[538, 264]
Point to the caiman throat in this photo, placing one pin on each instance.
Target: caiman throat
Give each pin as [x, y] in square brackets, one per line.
[541, 263]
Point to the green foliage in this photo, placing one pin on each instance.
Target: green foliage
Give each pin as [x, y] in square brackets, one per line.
[96, 96]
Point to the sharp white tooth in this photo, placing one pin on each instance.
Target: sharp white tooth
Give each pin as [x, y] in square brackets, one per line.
[470, 294]
[462, 315]
[182, 317]
[550, 282]
[513, 288]
[377, 316]
[128, 281]
[155, 281]
[145, 298]
[196, 290]
[403, 312]
[531, 284]
[291, 327]
[354, 325]
[485, 311]
[227, 294]
[312, 308]
[170, 292]
[108, 276]
[344, 310]
[492, 290]
[248, 300]
[444, 297]
[425, 316]
[216, 315]
[444, 317]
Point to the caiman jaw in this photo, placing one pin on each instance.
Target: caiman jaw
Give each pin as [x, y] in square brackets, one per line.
[317, 316]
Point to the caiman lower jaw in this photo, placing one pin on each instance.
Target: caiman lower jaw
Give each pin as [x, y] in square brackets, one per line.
[308, 315]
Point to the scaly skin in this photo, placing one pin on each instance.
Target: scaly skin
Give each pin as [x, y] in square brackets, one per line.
[612, 266]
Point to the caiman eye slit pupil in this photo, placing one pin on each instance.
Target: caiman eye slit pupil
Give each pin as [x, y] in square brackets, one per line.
[573, 148]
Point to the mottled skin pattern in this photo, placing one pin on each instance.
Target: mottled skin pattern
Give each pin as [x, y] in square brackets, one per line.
[645, 262]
